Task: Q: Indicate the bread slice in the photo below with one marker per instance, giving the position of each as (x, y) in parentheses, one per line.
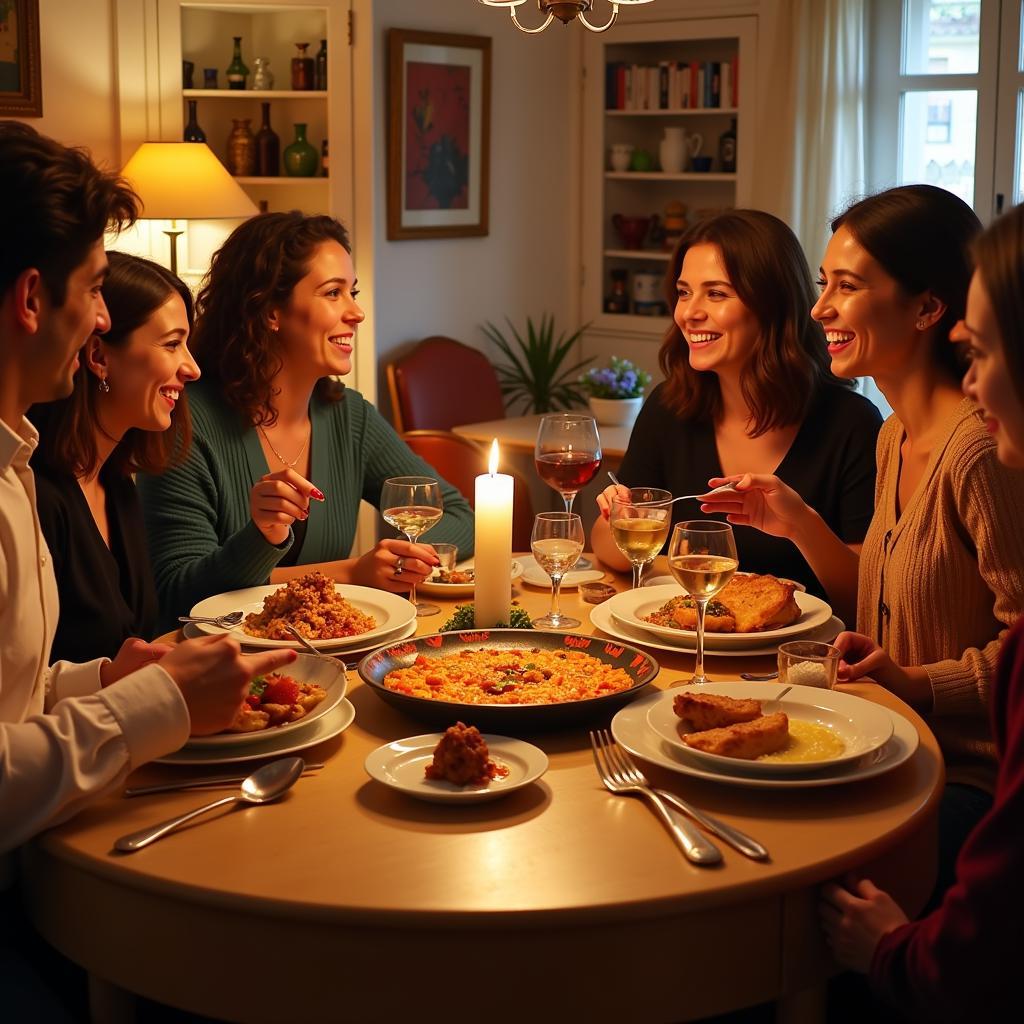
(747, 740)
(760, 602)
(700, 711)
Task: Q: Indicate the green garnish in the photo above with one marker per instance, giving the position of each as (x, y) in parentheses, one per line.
(462, 620)
(257, 686)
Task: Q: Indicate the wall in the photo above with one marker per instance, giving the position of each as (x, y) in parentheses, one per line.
(451, 286)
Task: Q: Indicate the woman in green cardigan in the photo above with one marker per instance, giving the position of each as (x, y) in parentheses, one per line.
(282, 453)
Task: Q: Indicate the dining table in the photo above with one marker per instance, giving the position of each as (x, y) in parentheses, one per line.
(347, 900)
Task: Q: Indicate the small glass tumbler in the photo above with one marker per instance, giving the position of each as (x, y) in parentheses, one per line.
(808, 663)
(447, 555)
(210, 78)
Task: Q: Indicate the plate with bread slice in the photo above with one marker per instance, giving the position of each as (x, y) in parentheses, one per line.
(749, 611)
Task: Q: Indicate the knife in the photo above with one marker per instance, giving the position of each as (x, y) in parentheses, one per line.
(210, 780)
(733, 836)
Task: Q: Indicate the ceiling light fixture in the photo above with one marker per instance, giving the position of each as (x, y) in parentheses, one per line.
(564, 10)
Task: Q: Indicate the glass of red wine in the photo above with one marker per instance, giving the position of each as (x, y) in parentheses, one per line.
(568, 453)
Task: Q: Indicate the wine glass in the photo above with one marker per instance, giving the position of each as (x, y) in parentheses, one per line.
(412, 505)
(702, 558)
(640, 530)
(568, 453)
(557, 543)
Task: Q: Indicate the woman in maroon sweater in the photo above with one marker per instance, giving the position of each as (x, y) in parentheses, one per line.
(962, 961)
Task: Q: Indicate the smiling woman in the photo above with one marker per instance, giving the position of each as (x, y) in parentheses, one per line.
(127, 413)
(283, 454)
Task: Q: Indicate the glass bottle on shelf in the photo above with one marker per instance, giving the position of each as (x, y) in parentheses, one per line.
(320, 71)
(324, 160)
(263, 77)
(727, 149)
(617, 301)
(193, 133)
(241, 155)
(237, 71)
(302, 68)
(300, 158)
(268, 148)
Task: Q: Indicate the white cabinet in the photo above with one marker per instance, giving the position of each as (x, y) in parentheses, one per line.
(666, 75)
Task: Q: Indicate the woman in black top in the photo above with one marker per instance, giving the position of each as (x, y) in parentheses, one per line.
(748, 385)
(127, 413)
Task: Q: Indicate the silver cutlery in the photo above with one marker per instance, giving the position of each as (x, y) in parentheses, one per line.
(211, 781)
(224, 621)
(733, 836)
(310, 648)
(682, 497)
(751, 678)
(263, 786)
(618, 779)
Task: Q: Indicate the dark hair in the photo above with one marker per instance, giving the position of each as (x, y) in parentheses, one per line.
(768, 269)
(56, 206)
(999, 251)
(253, 272)
(921, 236)
(133, 291)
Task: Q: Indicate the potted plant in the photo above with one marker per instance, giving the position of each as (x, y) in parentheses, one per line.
(535, 374)
(615, 391)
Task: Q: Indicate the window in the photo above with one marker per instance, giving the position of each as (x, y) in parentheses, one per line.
(956, 68)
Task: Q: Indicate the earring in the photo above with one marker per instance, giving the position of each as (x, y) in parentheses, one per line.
(104, 386)
(921, 325)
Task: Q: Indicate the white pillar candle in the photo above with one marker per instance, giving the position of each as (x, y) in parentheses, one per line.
(493, 550)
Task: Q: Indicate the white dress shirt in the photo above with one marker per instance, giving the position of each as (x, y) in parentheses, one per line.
(63, 740)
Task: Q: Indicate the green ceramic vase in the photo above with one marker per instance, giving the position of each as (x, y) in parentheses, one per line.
(300, 158)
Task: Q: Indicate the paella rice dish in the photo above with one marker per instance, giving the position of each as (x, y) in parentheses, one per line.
(276, 700)
(515, 676)
(311, 604)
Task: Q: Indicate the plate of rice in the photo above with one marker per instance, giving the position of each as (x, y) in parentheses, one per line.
(326, 613)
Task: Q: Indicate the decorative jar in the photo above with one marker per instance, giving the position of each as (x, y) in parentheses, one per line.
(300, 158)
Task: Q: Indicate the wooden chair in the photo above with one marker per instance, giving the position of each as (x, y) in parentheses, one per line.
(442, 383)
(460, 461)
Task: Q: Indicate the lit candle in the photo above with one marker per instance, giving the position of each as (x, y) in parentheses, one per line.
(493, 551)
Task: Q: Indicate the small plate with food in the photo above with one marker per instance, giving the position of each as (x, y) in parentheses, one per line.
(738, 727)
(281, 702)
(537, 577)
(326, 613)
(460, 765)
(460, 581)
(750, 610)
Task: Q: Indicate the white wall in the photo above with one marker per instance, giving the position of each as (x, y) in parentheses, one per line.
(451, 286)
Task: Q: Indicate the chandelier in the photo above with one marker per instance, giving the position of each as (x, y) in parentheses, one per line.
(564, 10)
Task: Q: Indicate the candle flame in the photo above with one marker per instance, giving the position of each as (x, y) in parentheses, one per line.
(492, 462)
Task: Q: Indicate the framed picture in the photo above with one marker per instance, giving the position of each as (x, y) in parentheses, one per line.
(21, 92)
(439, 134)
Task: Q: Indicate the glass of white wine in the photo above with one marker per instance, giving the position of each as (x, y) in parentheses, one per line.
(412, 505)
(557, 543)
(702, 558)
(640, 526)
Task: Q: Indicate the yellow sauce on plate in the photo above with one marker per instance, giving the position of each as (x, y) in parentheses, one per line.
(807, 742)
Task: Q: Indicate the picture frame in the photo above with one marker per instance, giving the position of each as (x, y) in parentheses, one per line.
(21, 92)
(439, 129)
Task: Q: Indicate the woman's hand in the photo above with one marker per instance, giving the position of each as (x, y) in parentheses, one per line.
(395, 565)
(610, 494)
(759, 500)
(862, 656)
(133, 655)
(855, 916)
(277, 500)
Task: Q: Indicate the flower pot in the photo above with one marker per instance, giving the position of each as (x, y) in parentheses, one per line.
(615, 412)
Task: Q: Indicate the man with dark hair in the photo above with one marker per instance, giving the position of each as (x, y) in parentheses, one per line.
(104, 718)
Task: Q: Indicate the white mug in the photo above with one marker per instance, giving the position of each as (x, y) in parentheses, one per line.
(621, 154)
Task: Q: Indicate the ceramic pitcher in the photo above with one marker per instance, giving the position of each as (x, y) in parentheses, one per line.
(675, 146)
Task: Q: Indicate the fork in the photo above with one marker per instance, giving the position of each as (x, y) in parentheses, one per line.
(618, 779)
(224, 621)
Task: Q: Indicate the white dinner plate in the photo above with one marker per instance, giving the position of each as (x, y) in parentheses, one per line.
(537, 577)
(601, 617)
(630, 606)
(862, 726)
(401, 765)
(324, 728)
(659, 581)
(630, 728)
(328, 673)
(350, 654)
(391, 612)
(433, 586)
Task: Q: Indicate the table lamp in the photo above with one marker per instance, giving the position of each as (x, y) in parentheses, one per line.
(184, 181)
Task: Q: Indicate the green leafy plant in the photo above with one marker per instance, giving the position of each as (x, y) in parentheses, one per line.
(621, 378)
(462, 620)
(536, 374)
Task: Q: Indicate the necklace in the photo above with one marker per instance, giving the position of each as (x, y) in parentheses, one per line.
(280, 457)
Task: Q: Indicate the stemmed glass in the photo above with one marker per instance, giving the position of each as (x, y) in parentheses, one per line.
(557, 543)
(640, 530)
(568, 453)
(412, 505)
(702, 558)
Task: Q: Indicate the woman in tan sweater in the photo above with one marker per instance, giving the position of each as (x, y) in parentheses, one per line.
(941, 572)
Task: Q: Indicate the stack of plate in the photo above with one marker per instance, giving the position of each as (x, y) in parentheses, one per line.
(434, 586)
(875, 740)
(623, 615)
(394, 615)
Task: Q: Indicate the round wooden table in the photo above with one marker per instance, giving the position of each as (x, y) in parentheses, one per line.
(347, 901)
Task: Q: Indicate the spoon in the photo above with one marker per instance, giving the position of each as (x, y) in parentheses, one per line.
(752, 678)
(224, 621)
(264, 785)
(307, 645)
